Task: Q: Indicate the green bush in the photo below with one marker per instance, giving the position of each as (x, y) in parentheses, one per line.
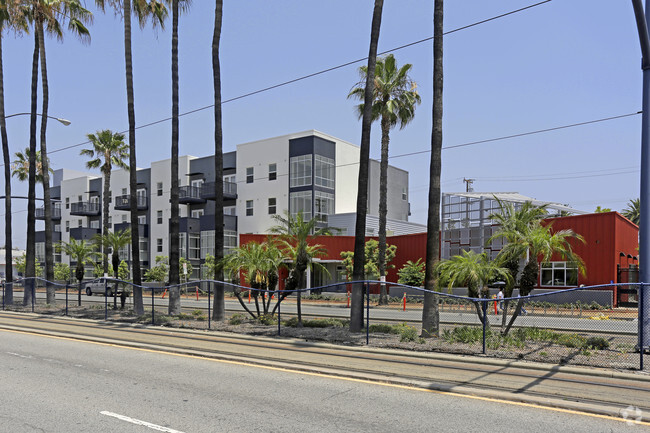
(407, 333)
(237, 319)
(325, 323)
(383, 328)
(412, 273)
(267, 319)
(596, 343)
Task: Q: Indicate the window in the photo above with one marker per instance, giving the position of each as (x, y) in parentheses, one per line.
(558, 274)
(404, 194)
(300, 170)
(67, 202)
(194, 246)
(142, 219)
(80, 223)
(250, 174)
(182, 245)
(124, 191)
(144, 249)
(110, 220)
(230, 210)
(40, 251)
(323, 205)
(324, 171)
(249, 207)
(159, 217)
(207, 243)
(272, 207)
(123, 218)
(79, 199)
(273, 171)
(197, 213)
(159, 189)
(94, 224)
(229, 241)
(159, 245)
(300, 202)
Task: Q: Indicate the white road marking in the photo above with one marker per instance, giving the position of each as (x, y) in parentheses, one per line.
(140, 422)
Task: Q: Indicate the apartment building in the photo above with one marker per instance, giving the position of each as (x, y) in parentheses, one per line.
(309, 172)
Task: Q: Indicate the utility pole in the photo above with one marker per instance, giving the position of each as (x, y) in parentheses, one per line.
(468, 184)
(642, 19)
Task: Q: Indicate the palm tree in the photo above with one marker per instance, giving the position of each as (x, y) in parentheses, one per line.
(108, 150)
(356, 309)
(46, 16)
(473, 271)
(536, 241)
(20, 166)
(9, 19)
(80, 252)
(114, 241)
(394, 101)
(142, 9)
(219, 310)
(174, 305)
(633, 211)
(295, 236)
(430, 312)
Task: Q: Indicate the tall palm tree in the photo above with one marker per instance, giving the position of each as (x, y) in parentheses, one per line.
(174, 306)
(142, 9)
(80, 252)
(219, 310)
(296, 236)
(10, 18)
(114, 241)
(473, 271)
(20, 166)
(356, 308)
(394, 102)
(48, 16)
(633, 211)
(108, 150)
(430, 312)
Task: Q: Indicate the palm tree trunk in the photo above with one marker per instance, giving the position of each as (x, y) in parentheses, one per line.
(9, 271)
(356, 308)
(430, 312)
(383, 208)
(138, 305)
(219, 310)
(174, 306)
(30, 257)
(106, 198)
(47, 204)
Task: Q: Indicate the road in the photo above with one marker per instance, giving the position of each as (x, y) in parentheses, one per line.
(411, 315)
(56, 384)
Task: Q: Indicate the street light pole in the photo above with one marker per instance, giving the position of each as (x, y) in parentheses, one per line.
(642, 19)
(65, 122)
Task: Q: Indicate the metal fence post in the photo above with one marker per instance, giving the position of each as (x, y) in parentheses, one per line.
(153, 321)
(485, 319)
(640, 318)
(3, 296)
(209, 313)
(277, 293)
(66, 298)
(105, 299)
(33, 293)
(367, 313)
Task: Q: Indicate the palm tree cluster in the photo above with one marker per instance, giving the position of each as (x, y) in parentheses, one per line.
(528, 238)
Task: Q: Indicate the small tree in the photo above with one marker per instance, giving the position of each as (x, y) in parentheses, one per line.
(20, 263)
(81, 252)
(159, 272)
(412, 273)
(62, 272)
(371, 267)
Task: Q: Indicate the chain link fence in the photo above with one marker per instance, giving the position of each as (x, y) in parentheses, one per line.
(575, 326)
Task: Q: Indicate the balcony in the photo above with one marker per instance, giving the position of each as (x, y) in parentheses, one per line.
(143, 229)
(85, 208)
(83, 233)
(229, 191)
(56, 213)
(123, 202)
(190, 195)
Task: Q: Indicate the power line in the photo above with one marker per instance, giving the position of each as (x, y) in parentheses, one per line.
(314, 74)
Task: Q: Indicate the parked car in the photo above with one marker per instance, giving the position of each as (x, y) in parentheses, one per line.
(98, 287)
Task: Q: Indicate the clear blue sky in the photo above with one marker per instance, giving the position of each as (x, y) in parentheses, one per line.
(564, 62)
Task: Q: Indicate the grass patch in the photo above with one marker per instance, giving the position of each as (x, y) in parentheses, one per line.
(237, 319)
(405, 331)
(317, 323)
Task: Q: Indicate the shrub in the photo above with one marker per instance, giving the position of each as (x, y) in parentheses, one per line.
(596, 343)
(406, 332)
(236, 319)
(325, 323)
(267, 319)
(382, 327)
(412, 273)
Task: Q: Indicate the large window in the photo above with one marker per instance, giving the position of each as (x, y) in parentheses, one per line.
(229, 241)
(40, 251)
(182, 245)
(194, 246)
(559, 274)
(144, 249)
(301, 202)
(324, 171)
(300, 171)
(323, 205)
(207, 243)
